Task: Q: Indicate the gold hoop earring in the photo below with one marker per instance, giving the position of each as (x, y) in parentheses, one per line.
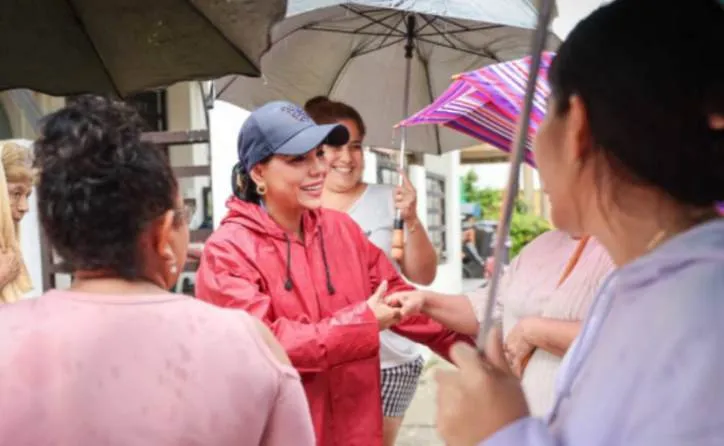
(261, 189)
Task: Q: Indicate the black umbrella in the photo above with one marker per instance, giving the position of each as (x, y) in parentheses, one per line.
(65, 47)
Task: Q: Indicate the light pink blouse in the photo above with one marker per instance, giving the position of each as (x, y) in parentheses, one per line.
(157, 370)
(529, 287)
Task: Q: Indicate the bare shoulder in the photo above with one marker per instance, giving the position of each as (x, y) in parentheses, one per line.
(268, 337)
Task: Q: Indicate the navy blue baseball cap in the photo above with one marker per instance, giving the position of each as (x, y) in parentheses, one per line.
(283, 128)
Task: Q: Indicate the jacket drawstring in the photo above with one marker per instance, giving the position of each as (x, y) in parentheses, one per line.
(330, 287)
(288, 285)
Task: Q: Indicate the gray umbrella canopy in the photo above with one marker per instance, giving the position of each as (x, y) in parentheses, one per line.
(355, 52)
(64, 47)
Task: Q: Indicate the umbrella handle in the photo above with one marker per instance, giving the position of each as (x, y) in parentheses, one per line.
(517, 152)
(398, 240)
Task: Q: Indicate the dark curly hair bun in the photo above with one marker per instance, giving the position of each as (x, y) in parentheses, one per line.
(99, 185)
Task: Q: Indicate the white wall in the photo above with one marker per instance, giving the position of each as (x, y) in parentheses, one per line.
(186, 112)
(226, 120)
(449, 274)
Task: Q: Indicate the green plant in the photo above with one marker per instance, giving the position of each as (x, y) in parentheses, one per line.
(524, 226)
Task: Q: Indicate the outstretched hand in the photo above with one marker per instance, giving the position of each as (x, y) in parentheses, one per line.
(479, 398)
(410, 303)
(385, 314)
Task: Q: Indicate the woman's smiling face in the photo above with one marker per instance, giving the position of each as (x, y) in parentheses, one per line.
(346, 163)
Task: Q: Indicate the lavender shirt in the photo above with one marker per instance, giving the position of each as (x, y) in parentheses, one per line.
(648, 366)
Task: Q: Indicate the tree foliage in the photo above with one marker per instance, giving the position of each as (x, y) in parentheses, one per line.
(524, 226)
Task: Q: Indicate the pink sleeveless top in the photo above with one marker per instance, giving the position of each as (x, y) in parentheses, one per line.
(160, 370)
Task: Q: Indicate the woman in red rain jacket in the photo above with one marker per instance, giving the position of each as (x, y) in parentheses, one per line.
(309, 273)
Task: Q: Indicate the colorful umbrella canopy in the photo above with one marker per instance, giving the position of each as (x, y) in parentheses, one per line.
(487, 103)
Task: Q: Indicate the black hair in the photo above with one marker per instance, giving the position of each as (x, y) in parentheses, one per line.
(100, 186)
(242, 186)
(651, 76)
(325, 111)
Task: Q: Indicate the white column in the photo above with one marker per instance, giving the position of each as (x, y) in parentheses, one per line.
(449, 273)
(186, 112)
(226, 120)
(417, 176)
(369, 175)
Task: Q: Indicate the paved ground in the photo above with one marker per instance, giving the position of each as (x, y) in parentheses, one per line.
(419, 426)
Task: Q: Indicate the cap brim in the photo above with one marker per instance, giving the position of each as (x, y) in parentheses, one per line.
(312, 137)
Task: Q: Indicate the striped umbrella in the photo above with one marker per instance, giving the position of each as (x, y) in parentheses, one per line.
(486, 103)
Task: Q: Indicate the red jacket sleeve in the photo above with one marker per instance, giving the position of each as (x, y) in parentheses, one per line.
(227, 278)
(420, 329)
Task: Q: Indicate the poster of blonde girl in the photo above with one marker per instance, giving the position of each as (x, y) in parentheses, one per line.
(16, 185)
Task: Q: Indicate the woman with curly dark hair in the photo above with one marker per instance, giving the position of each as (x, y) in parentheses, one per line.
(117, 359)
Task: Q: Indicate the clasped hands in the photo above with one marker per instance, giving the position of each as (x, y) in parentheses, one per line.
(391, 309)
(483, 394)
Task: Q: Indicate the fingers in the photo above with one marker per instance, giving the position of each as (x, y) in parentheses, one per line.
(446, 378)
(410, 308)
(395, 299)
(380, 292)
(466, 357)
(396, 315)
(405, 181)
(494, 349)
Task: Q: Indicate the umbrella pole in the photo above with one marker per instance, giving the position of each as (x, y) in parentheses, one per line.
(538, 45)
(398, 233)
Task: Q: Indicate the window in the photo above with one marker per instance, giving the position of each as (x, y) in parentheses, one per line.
(151, 105)
(387, 170)
(436, 214)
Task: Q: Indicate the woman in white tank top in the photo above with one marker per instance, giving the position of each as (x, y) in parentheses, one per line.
(373, 207)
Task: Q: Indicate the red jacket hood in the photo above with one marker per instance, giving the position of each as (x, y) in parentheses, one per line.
(255, 218)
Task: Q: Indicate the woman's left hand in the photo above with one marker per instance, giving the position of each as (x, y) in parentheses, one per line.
(406, 199)
(479, 398)
(517, 348)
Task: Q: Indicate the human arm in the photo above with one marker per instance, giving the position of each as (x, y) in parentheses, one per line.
(481, 404)
(453, 311)
(416, 327)
(419, 261)
(227, 278)
(552, 335)
(460, 313)
(289, 421)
